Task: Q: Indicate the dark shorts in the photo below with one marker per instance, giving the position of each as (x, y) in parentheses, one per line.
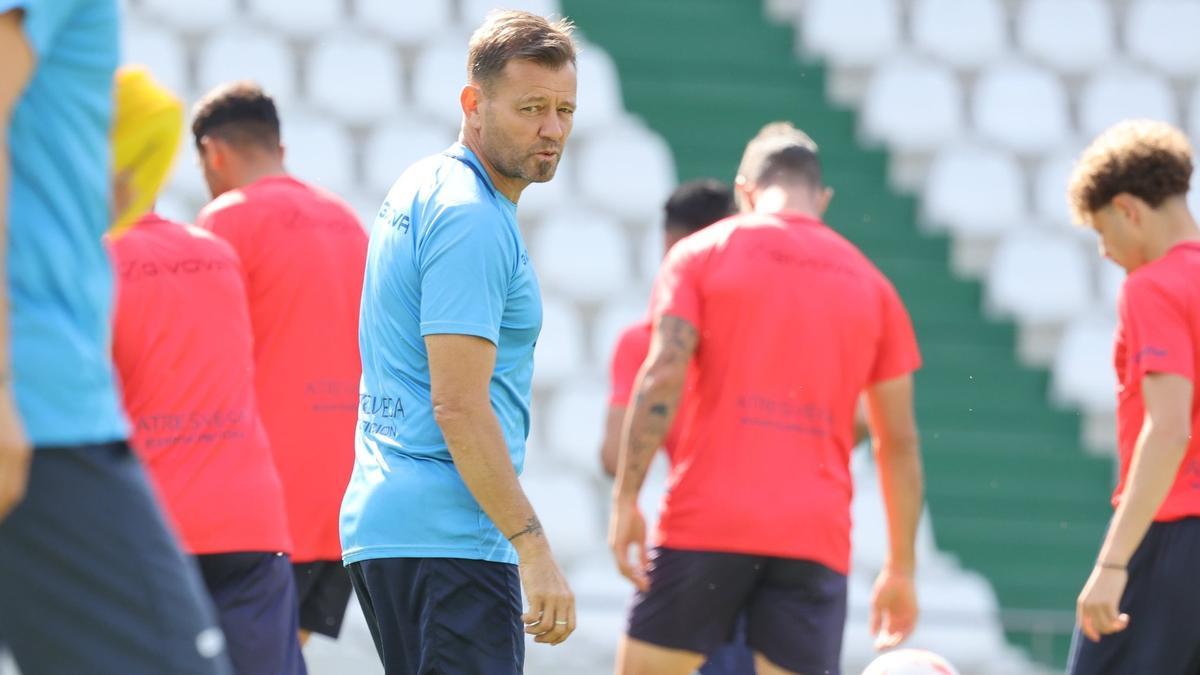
(795, 609)
(323, 592)
(442, 615)
(91, 579)
(1162, 599)
(732, 658)
(255, 598)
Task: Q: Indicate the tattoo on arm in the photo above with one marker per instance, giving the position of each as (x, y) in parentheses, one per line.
(532, 527)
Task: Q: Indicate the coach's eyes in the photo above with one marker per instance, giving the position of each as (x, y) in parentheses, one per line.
(567, 111)
(532, 109)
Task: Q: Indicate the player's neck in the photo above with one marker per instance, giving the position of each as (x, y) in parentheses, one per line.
(1178, 226)
(511, 188)
(777, 199)
(252, 172)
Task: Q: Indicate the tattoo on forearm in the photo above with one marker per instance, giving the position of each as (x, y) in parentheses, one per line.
(532, 527)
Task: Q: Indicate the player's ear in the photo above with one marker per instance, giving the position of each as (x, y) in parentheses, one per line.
(1126, 206)
(823, 198)
(743, 194)
(470, 98)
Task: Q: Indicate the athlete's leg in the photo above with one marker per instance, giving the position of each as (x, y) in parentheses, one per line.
(635, 657)
(763, 666)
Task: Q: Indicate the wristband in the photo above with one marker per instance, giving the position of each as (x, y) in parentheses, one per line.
(1111, 566)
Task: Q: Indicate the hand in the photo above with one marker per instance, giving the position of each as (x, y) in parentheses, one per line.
(15, 453)
(627, 528)
(551, 615)
(1097, 610)
(893, 608)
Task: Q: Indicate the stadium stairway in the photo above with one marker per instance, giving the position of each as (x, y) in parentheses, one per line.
(1012, 493)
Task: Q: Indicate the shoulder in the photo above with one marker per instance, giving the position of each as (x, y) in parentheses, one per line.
(222, 208)
(634, 338)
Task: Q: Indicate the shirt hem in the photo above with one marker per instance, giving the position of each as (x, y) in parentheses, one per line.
(459, 328)
(375, 552)
(840, 566)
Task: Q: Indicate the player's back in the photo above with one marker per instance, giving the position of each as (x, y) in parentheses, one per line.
(183, 349)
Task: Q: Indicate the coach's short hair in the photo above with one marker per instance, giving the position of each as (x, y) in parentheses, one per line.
(781, 153)
(696, 204)
(1149, 160)
(516, 35)
(240, 113)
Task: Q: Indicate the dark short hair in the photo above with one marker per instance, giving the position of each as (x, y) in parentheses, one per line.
(516, 35)
(696, 204)
(1149, 160)
(240, 113)
(781, 153)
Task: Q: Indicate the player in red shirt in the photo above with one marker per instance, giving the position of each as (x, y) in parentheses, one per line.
(303, 252)
(786, 323)
(1140, 609)
(183, 350)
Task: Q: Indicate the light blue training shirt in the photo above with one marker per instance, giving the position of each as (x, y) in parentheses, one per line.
(60, 282)
(446, 257)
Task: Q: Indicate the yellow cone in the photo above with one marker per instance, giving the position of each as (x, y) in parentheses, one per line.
(146, 131)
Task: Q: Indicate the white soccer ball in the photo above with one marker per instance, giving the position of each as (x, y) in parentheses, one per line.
(910, 662)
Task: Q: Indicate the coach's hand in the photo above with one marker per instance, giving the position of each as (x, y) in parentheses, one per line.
(551, 615)
(15, 453)
(1097, 611)
(627, 528)
(893, 608)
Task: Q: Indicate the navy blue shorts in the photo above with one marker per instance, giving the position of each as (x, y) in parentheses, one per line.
(323, 593)
(255, 598)
(442, 616)
(732, 658)
(795, 609)
(91, 579)
(1162, 600)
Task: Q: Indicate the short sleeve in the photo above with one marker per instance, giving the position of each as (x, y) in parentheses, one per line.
(465, 266)
(627, 359)
(1158, 337)
(677, 287)
(42, 21)
(897, 353)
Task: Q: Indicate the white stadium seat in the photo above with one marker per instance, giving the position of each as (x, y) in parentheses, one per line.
(1039, 278)
(542, 200)
(1083, 368)
(1111, 277)
(244, 54)
(1122, 93)
(355, 77)
(319, 150)
(569, 507)
(1050, 187)
(575, 422)
(473, 12)
(193, 17)
(1072, 36)
(852, 33)
(1021, 107)
(173, 206)
(617, 315)
(397, 144)
(160, 51)
(1162, 34)
(409, 24)
(439, 74)
(650, 251)
(975, 192)
(1193, 115)
(598, 94)
(628, 172)
(186, 180)
(560, 347)
(913, 105)
(964, 33)
(583, 255)
(298, 19)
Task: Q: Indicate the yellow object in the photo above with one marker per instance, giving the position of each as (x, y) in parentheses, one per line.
(146, 131)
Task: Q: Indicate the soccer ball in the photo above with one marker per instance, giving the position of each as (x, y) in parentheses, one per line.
(910, 662)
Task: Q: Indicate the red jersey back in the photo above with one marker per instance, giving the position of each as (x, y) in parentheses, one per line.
(304, 252)
(183, 350)
(794, 322)
(1158, 325)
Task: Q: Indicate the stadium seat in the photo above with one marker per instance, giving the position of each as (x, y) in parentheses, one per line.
(1050, 186)
(186, 181)
(617, 314)
(173, 206)
(245, 54)
(439, 74)
(560, 347)
(913, 105)
(569, 508)
(1121, 93)
(581, 254)
(160, 51)
(1110, 279)
(628, 172)
(541, 200)
(319, 150)
(298, 19)
(1071, 36)
(599, 92)
(473, 12)
(1021, 107)
(1162, 34)
(965, 33)
(415, 25)
(1039, 278)
(575, 422)
(974, 192)
(354, 77)
(650, 251)
(192, 17)
(852, 33)
(395, 145)
(1083, 367)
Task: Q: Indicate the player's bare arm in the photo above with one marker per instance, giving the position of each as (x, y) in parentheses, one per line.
(1160, 450)
(610, 447)
(15, 452)
(460, 368)
(898, 456)
(657, 391)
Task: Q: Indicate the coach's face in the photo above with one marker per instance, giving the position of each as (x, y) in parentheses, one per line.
(525, 118)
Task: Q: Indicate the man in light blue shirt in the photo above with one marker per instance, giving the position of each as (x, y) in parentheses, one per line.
(91, 579)
(434, 522)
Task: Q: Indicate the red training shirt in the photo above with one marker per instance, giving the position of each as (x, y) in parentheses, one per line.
(184, 353)
(794, 322)
(1159, 317)
(304, 253)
